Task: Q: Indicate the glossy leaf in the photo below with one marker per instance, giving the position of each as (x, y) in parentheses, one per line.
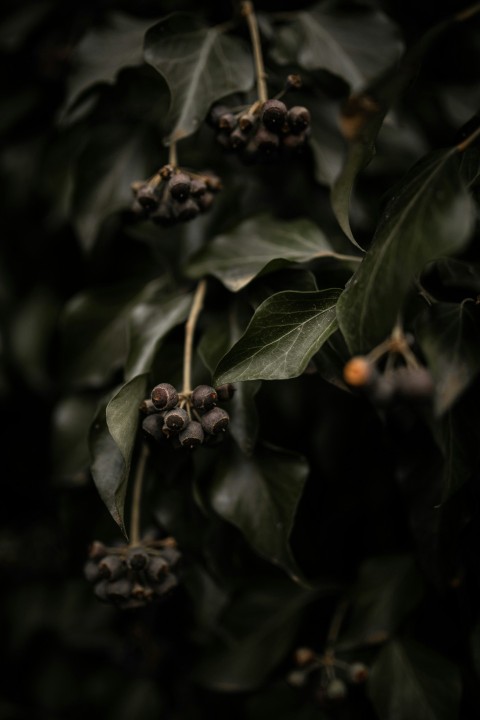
(409, 680)
(149, 322)
(430, 215)
(104, 51)
(448, 334)
(94, 330)
(259, 245)
(387, 589)
(112, 442)
(260, 495)
(200, 65)
(285, 332)
(355, 46)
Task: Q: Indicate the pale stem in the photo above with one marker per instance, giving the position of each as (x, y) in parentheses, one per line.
(249, 14)
(137, 496)
(172, 155)
(190, 325)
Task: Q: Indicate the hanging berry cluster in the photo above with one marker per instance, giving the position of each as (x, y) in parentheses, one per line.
(401, 377)
(326, 676)
(174, 195)
(263, 132)
(187, 419)
(132, 576)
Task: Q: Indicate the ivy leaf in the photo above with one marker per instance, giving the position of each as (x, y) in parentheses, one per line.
(408, 680)
(260, 495)
(94, 330)
(286, 330)
(104, 51)
(431, 214)
(200, 65)
(448, 336)
(112, 442)
(259, 245)
(387, 589)
(355, 46)
(71, 419)
(149, 322)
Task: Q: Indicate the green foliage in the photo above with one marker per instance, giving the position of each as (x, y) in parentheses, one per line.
(333, 514)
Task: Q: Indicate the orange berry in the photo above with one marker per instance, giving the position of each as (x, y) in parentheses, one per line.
(358, 371)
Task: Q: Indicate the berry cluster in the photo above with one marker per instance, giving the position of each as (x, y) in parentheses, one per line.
(174, 195)
(187, 419)
(132, 576)
(263, 132)
(383, 387)
(331, 676)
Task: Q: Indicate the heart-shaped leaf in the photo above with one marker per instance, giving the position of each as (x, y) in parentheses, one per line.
(200, 65)
(448, 334)
(286, 330)
(431, 214)
(409, 680)
(259, 245)
(260, 495)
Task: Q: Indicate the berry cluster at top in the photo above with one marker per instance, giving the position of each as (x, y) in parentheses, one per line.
(187, 419)
(132, 576)
(174, 195)
(262, 132)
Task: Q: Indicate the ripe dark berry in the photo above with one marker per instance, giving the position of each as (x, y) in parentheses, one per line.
(185, 210)
(157, 568)
(179, 186)
(92, 571)
(164, 396)
(198, 187)
(298, 118)
(273, 115)
(118, 589)
(266, 141)
(215, 114)
(225, 392)
(204, 397)
(176, 419)
(227, 122)
(137, 558)
(215, 420)
(147, 197)
(111, 567)
(294, 142)
(192, 435)
(152, 426)
(238, 139)
(415, 383)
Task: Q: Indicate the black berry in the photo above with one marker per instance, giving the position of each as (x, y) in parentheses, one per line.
(176, 419)
(152, 426)
(204, 397)
(137, 558)
(164, 396)
(111, 567)
(192, 435)
(298, 118)
(273, 115)
(179, 186)
(225, 392)
(215, 421)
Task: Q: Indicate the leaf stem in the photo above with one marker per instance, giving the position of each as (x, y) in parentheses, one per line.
(172, 154)
(190, 325)
(137, 496)
(249, 14)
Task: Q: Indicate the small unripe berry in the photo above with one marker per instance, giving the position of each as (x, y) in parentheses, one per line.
(179, 186)
(358, 672)
(111, 567)
(273, 115)
(304, 656)
(204, 397)
(267, 142)
(336, 689)
(215, 421)
(164, 396)
(359, 371)
(176, 419)
(298, 118)
(225, 392)
(192, 435)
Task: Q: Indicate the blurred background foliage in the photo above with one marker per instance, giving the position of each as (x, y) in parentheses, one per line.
(366, 521)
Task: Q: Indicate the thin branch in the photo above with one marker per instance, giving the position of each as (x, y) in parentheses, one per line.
(189, 333)
(172, 155)
(137, 496)
(249, 14)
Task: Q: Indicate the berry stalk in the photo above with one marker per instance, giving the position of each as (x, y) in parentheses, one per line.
(189, 333)
(249, 14)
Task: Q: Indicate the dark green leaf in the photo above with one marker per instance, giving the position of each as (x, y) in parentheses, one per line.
(71, 421)
(149, 322)
(454, 273)
(95, 330)
(356, 45)
(408, 680)
(286, 330)
(259, 245)
(200, 65)
(260, 495)
(448, 335)
(104, 51)
(430, 215)
(112, 441)
(387, 589)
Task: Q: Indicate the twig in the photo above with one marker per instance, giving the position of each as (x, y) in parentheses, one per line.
(249, 14)
(189, 332)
